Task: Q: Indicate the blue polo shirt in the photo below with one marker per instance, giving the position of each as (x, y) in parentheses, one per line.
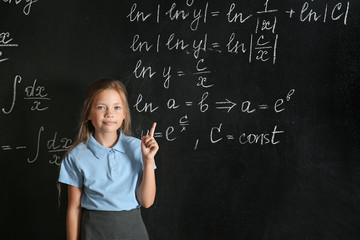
(108, 176)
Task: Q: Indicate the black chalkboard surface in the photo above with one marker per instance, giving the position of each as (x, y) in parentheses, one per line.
(257, 104)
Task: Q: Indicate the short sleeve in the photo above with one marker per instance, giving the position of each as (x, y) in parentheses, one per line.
(70, 174)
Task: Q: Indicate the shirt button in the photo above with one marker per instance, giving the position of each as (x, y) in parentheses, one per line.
(113, 163)
(113, 156)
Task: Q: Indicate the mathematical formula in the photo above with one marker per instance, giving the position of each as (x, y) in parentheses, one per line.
(6, 42)
(260, 45)
(224, 105)
(308, 12)
(34, 93)
(56, 146)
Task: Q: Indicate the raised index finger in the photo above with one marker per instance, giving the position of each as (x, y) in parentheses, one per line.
(152, 130)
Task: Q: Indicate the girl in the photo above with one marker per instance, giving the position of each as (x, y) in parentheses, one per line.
(109, 173)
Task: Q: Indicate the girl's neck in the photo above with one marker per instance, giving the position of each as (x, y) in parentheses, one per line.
(107, 140)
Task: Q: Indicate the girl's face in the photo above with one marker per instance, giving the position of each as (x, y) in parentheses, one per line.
(107, 112)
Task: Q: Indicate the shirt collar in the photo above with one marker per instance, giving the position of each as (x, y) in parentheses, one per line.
(99, 150)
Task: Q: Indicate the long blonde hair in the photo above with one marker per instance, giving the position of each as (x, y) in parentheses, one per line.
(85, 126)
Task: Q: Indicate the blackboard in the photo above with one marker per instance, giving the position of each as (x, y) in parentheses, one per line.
(257, 104)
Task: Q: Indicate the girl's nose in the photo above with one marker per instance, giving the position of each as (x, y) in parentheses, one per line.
(108, 114)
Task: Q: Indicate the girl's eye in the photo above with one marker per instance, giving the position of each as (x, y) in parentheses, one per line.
(100, 107)
(117, 108)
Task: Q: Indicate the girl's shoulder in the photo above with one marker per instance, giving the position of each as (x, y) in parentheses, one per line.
(76, 150)
(131, 145)
(130, 140)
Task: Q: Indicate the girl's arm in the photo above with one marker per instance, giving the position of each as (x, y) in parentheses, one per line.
(73, 213)
(146, 190)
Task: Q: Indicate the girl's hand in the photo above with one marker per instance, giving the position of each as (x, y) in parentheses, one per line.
(149, 146)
